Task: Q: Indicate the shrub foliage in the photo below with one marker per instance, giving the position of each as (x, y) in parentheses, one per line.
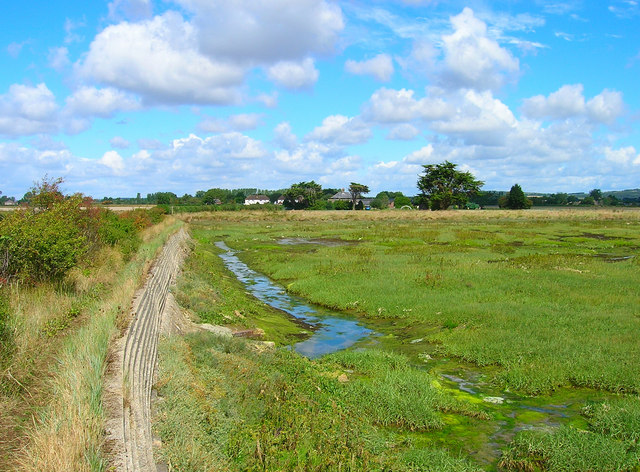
(54, 233)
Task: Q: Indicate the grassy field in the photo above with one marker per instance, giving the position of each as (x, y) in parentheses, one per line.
(543, 303)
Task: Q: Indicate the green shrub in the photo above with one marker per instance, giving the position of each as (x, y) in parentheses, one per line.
(115, 230)
(44, 244)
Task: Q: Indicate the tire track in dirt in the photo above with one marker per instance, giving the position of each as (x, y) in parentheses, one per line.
(131, 371)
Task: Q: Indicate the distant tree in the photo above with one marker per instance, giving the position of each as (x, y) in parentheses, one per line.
(588, 200)
(210, 196)
(302, 195)
(571, 199)
(596, 194)
(442, 186)
(611, 200)
(381, 201)
(356, 190)
(516, 199)
(401, 200)
(138, 198)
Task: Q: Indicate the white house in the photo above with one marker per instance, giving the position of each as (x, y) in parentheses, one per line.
(256, 200)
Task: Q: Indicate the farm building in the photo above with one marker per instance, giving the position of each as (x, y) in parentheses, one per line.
(256, 200)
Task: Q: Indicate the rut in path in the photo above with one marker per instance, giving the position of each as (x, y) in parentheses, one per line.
(132, 441)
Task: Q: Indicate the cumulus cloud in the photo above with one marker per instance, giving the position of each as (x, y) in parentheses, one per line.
(294, 75)
(605, 107)
(472, 59)
(622, 156)
(421, 156)
(113, 161)
(380, 67)
(397, 106)
(569, 102)
(341, 130)
(307, 159)
(403, 132)
(26, 110)
(284, 136)
(159, 60)
(91, 101)
(480, 119)
(264, 32)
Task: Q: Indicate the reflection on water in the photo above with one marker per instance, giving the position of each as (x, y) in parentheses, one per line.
(332, 332)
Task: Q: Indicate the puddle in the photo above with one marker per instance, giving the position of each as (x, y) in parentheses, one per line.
(613, 257)
(331, 333)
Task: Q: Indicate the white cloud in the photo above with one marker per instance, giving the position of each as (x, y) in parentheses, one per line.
(480, 119)
(71, 36)
(569, 102)
(294, 75)
(118, 142)
(341, 130)
(159, 60)
(263, 32)
(90, 101)
(58, 58)
(380, 67)
(26, 110)
(284, 136)
(14, 49)
(605, 107)
(622, 156)
(397, 106)
(421, 156)
(240, 122)
(403, 132)
(472, 59)
(306, 159)
(113, 161)
(134, 10)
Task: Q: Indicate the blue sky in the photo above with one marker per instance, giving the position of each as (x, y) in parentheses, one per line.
(142, 96)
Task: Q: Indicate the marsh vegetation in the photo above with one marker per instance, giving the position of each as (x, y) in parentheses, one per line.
(508, 340)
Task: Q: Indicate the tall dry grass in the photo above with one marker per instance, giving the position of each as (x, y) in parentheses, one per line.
(55, 417)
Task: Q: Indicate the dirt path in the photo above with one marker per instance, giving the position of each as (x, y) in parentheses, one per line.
(131, 369)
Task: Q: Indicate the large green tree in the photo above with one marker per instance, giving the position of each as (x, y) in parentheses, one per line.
(302, 195)
(516, 199)
(442, 185)
(356, 190)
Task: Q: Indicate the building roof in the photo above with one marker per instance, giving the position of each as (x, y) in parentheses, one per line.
(342, 195)
(257, 197)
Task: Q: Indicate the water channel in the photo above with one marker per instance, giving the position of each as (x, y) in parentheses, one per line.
(332, 331)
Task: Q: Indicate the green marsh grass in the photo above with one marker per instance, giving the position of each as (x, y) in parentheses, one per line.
(542, 299)
(551, 310)
(226, 406)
